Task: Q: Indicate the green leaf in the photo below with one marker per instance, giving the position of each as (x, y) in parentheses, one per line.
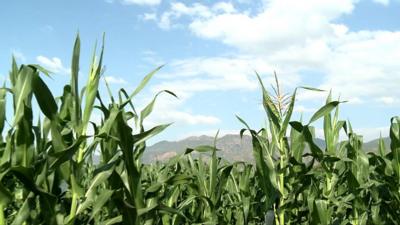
(297, 126)
(5, 195)
(23, 212)
(321, 214)
(323, 111)
(149, 108)
(288, 115)
(44, 97)
(312, 89)
(3, 99)
(41, 69)
(269, 106)
(144, 136)
(381, 147)
(26, 176)
(92, 87)
(76, 115)
(114, 220)
(201, 149)
(67, 154)
(101, 199)
(142, 84)
(23, 89)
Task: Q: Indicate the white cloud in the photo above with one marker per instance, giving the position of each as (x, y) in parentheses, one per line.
(358, 65)
(191, 76)
(382, 2)
(179, 9)
(47, 28)
(224, 7)
(198, 10)
(189, 118)
(167, 110)
(194, 75)
(387, 100)
(114, 80)
(53, 64)
(354, 101)
(142, 2)
(289, 36)
(303, 109)
(152, 58)
(277, 26)
(363, 65)
(149, 17)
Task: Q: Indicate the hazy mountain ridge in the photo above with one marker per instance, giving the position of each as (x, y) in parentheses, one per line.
(233, 148)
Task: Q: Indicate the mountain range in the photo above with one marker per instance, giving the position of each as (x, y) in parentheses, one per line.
(233, 148)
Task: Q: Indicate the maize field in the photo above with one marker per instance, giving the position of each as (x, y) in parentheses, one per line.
(48, 175)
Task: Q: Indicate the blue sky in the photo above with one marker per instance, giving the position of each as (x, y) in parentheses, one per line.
(212, 48)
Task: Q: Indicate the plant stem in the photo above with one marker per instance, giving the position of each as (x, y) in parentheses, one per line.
(281, 184)
(80, 153)
(74, 203)
(276, 215)
(355, 221)
(328, 185)
(2, 219)
(81, 150)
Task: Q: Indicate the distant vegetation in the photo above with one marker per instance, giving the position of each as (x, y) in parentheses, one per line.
(48, 175)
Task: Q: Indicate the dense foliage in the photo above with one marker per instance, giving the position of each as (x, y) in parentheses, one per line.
(48, 176)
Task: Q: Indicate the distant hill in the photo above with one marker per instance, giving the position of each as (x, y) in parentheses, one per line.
(233, 148)
(373, 145)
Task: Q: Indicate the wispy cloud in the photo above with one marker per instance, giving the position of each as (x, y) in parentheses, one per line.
(387, 100)
(152, 58)
(53, 64)
(115, 80)
(177, 10)
(169, 110)
(288, 36)
(304, 109)
(188, 118)
(149, 17)
(47, 28)
(193, 75)
(382, 2)
(142, 2)
(358, 65)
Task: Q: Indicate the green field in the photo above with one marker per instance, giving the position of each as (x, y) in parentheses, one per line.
(48, 176)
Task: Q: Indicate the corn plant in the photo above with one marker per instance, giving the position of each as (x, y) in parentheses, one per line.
(335, 185)
(49, 167)
(57, 166)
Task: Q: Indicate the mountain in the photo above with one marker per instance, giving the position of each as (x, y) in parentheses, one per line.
(233, 148)
(373, 145)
